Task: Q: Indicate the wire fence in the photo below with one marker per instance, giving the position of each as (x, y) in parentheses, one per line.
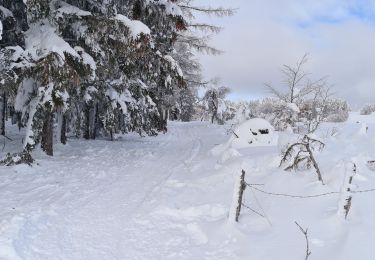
(304, 196)
(256, 187)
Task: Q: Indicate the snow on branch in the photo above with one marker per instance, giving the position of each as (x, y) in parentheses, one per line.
(218, 11)
(206, 27)
(41, 39)
(136, 27)
(300, 155)
(63, 8)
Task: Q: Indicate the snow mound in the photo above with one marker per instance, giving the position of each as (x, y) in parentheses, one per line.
(206, 212)
(253, 132)
(363, 130)
(229, 155)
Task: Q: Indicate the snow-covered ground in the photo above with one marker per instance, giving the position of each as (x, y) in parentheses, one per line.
(168, 197)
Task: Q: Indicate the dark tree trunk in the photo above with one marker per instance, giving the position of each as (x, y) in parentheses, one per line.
(95, 121)
(78, 126)
(3, 113)
(315, 164)
(19, 121)
(86, 133)
(47, 134)
(63, 130)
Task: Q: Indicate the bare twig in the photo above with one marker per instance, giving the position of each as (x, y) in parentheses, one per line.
(304, 231)
(10, 139)
(219, 11)
(235, 134)
(230, 130)
(305, 146)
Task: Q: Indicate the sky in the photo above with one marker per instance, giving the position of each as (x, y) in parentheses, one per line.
(339, 36)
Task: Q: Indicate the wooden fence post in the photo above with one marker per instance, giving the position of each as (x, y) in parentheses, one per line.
(346, 197)
(348, 190)
(238, 192)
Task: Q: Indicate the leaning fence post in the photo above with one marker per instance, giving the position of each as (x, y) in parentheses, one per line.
(349, 199)
(347, 195)
(238, 192)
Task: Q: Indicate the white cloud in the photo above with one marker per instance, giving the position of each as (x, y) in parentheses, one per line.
(263, 35)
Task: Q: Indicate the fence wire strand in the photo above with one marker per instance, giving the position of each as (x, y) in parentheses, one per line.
(306, 196)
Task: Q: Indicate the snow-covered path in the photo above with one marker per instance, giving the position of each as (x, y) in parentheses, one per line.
(86, 202)
(168, 197)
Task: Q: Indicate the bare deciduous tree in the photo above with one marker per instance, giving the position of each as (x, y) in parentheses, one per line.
(312, 111)
(307, 94)
(297, 81)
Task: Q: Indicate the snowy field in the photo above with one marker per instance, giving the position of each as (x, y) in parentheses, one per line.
(168, 197)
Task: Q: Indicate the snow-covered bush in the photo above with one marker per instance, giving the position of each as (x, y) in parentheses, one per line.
(280, 114)
(367, 109)
(302, 118)
(299, 155)
(336, 110)
(17, 158)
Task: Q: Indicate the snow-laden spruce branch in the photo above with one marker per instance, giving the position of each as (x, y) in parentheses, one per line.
(206, 27)
(218, 11)
(198, 43)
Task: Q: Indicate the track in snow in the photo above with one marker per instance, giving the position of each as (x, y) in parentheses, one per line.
(84, 202)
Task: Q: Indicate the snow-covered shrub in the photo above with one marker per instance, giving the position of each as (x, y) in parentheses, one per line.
(299, 155)
(367, 109)
(280, 114)
(338, 117)
(336, 110)
(17, 158)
